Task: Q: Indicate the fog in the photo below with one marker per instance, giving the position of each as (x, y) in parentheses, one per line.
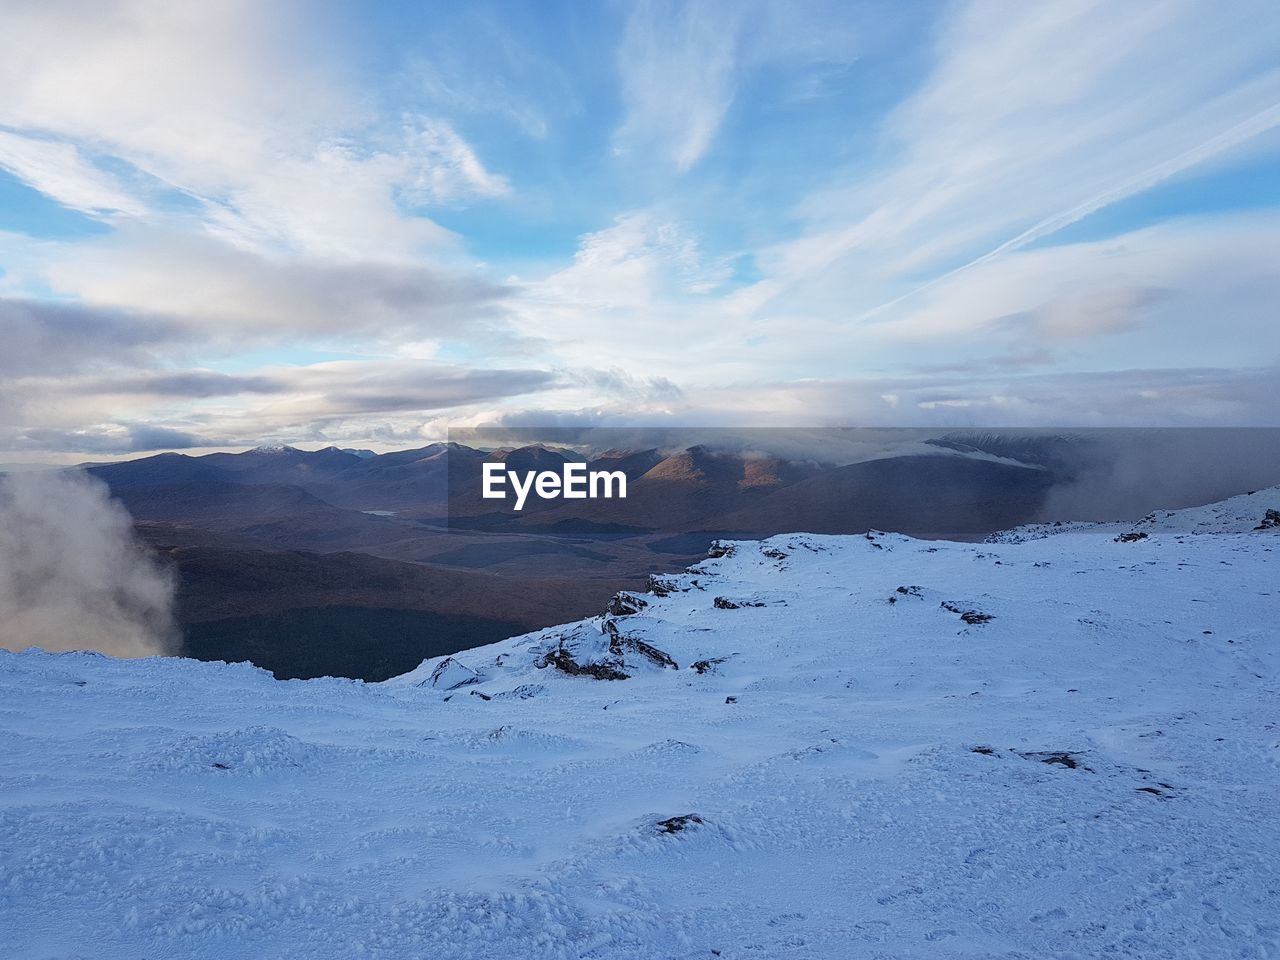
(1124, 474)
(72, 574)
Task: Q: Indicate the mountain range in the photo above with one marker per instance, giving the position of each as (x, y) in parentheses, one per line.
(402, 551)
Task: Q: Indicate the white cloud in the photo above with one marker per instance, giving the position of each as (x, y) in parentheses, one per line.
(334, 202)
(244, 107)
(640, 294)
(443, 167)
(1181, 396)
(213, 291)
(121, 409)
(1034, 116)
(681, 64)
(917, 285)
(677, 64)
(1192, 291)
(61, 171)
(641, 256)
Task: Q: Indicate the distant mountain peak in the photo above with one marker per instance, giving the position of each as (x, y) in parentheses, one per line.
(274, 447)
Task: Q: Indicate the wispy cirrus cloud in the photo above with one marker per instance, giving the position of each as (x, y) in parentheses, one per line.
(940, 253)
(445, 167)
(60, 171)
(681, 65)
(677, 65)
(1151, 396)
(242, 108)
(1031, 119)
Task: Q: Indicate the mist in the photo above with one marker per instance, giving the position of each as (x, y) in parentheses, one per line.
(72, 574)
(1128, 473)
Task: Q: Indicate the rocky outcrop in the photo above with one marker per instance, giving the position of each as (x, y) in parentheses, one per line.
(662, 586)
(449, 674)
(709, 665)
(620, 644)
(967, 614)
(1131, 537)
(625, 604)
(677, 824)
(563, 660)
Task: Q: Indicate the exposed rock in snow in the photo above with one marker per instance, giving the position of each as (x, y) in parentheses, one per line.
(966, 612)
(676, 824)
(1131, 537)
(1090, 772)
(563, 659)
(724, 603)
(449, 674)
(625, 604)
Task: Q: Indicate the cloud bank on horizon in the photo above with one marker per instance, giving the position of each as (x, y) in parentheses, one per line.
(221, 223)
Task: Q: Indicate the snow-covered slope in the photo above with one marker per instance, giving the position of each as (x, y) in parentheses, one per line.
(1258, 510)
(824, 747)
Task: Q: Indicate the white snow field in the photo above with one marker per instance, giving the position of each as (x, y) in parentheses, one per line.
(859, 765)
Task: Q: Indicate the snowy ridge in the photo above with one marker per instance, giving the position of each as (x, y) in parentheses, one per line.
(823, 747)
(1258, 510)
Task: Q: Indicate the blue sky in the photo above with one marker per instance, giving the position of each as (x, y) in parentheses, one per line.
(361, 223)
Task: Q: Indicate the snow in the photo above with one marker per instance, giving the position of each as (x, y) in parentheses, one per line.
(851, 770)
(1242, 514)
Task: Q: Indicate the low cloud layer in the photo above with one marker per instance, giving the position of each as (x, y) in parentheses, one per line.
(61, 338)
(1125, 474)
(72, 574)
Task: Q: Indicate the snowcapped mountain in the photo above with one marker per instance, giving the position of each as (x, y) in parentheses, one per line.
(808, 746)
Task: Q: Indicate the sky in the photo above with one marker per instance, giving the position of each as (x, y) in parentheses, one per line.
(358, 224)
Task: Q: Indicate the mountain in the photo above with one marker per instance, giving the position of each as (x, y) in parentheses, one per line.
(1060, 744)
(958, 492)
(697, 488)
(633, 463)
(164, 469)
(1068, 455)
(932, 496)
(405, 480)
(685, 490)
(268, 513)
